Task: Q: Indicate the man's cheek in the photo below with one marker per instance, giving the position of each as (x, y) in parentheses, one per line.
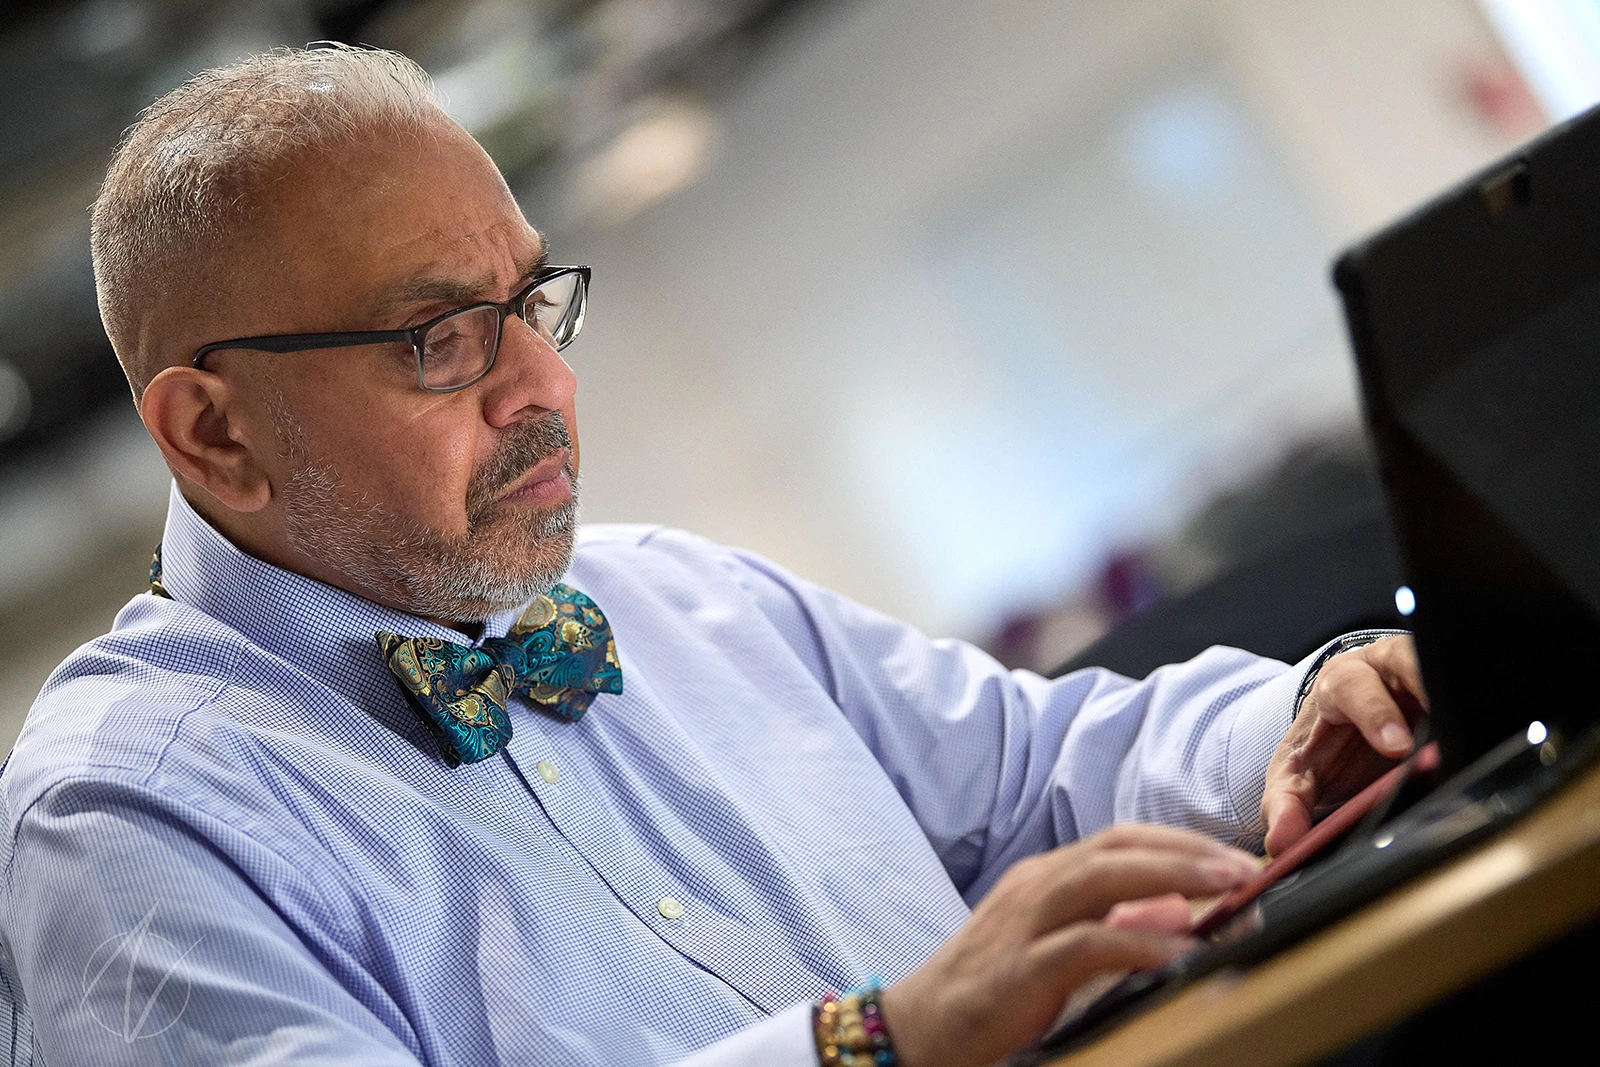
(440, 477)
(417, 458)
(569, 416)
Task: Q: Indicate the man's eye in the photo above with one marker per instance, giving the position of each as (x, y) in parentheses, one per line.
(448, 344)
(547, 306)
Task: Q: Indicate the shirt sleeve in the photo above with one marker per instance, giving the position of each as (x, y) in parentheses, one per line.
(998, 764)
(783, 1040)
(139, 940)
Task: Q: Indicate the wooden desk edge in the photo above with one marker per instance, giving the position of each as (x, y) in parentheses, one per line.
(1423, 941)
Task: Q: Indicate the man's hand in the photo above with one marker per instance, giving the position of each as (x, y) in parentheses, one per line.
(1038, 935)
(1352, 726)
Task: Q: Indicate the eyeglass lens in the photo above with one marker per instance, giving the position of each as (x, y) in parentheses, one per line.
(555, 309)
(458, 349)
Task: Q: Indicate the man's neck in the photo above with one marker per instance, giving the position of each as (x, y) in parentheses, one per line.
(473, 631)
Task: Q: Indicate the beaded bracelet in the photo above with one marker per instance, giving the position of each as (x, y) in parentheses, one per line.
(850, 1031)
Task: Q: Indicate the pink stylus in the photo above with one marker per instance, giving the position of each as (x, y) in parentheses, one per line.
(1335, 825)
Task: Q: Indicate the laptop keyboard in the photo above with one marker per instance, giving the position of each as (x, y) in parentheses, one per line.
(1473, 805)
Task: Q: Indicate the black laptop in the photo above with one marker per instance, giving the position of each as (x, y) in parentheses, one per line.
(1476, 327)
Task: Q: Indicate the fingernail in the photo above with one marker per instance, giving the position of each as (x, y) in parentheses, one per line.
(1395, 737)
(1224, 873)
(1237, 859)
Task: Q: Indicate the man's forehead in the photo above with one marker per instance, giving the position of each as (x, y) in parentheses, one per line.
(462, 271)
(389, 228)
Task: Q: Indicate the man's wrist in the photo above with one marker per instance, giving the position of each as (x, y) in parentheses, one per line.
(1348, 643)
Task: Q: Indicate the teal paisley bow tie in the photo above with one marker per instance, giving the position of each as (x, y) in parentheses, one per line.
(559, 654)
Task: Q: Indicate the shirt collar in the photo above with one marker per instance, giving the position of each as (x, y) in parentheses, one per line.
(320, 629)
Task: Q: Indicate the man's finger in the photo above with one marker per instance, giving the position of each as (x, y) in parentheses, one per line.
(1166, 914)
(1395, 660)
(1353, 691)
(1099, 880)
(1152, 837)
(1288, 815)
(1072, 956)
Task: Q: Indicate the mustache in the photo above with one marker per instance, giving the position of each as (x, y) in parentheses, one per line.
(529, 445)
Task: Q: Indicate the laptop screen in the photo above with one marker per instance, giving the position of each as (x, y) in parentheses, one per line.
(1518, 423)
(1476, 323)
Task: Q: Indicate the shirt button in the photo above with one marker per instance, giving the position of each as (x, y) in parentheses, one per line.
(670, 909)
(548, 771)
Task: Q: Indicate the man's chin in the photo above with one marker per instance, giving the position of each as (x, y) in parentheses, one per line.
(508, 556)
(493, 578)
(504, 566)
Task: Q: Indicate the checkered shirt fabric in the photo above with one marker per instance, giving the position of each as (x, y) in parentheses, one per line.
(226, 838)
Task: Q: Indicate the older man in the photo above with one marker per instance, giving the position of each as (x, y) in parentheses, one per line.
(385, 772)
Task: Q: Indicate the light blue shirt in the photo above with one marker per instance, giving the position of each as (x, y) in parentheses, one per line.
(226, 838)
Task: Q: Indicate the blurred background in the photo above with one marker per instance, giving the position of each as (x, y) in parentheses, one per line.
(1009, 318)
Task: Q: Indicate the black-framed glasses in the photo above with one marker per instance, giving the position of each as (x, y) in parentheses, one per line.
(457, 348)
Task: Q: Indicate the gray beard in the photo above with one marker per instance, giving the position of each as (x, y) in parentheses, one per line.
(503, 560)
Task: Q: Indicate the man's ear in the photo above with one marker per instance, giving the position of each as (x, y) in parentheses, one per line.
(197, 420)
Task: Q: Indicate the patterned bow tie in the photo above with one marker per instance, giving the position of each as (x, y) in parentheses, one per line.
(559, 655)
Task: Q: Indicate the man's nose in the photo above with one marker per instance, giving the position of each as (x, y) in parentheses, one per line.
(528, 374)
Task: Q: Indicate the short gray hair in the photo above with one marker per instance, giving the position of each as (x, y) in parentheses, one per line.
(179, 185)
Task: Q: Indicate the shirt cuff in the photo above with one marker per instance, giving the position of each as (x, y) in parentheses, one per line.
(1335, 647)
(1268, 713)
(784, 1040)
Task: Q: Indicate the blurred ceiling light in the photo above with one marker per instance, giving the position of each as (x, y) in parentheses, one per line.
(1556, 45)
(101, 27)
(661, 153)
(16, 401)
(1183, 146)
(632, 31)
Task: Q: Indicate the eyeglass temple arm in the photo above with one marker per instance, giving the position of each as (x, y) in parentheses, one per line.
(302, 342)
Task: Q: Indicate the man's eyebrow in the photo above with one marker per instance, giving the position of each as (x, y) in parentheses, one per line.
(538, 262)
(423, 291)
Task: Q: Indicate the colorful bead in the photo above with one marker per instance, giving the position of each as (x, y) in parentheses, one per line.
(850, 1031)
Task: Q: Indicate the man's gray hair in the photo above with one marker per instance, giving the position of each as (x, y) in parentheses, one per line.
(178, 190)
